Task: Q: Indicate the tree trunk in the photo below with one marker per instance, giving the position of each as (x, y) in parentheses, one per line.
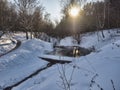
(31, 34)
(27, 35)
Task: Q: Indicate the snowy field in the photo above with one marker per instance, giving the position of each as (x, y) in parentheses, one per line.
(97, 71)
(6, 45)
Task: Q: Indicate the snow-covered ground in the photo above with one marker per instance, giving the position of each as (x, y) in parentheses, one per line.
(68, 41)
(95, 39)
(97, 71)
(22, 62)
(6, 45)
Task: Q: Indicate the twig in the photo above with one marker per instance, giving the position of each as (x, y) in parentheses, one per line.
(65, 81)
(113, 84)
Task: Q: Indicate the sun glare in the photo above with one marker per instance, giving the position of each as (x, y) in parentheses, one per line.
(74, 11)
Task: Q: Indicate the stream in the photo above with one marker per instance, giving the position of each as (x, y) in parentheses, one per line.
(30, 76)
(64, 51)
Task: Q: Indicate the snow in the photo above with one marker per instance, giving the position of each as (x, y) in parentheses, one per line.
(6, 45)
(91, 72)
(22, 62)
(57, 57)
(68, 41)
(104, 63)
(95, 39)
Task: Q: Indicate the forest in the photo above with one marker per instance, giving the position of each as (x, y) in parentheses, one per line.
(29, 16)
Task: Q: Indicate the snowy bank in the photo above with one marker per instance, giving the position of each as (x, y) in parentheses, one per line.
(22, 62)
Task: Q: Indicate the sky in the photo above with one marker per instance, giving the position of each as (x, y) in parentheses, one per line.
(53, 8)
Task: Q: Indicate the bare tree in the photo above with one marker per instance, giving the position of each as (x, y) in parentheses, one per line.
(7, 16)
(38, 21)
(26, 9)
(3, 10)
(101, 18)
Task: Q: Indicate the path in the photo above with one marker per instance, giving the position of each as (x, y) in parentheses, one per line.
(17, 46)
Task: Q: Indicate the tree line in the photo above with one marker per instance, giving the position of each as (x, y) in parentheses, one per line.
(93, 16)
(28, 16)
(24, 15)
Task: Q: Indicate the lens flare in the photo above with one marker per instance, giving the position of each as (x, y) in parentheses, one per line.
(74, 11)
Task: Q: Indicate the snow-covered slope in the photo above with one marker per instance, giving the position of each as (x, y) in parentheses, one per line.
(93, 39)
(68, 41)
(96, 71)
(91, 72)
(97, 40)
(22, 62)
(6, 45)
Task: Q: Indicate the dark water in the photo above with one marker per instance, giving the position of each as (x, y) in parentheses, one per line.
(71, 51)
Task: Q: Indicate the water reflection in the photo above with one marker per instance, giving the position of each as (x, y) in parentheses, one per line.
(71, 51)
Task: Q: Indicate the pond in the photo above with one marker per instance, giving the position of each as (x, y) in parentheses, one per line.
(71, 51)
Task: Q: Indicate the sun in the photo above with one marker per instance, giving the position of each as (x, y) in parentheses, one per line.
(74, 11)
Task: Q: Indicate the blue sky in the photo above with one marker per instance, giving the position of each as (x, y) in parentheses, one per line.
(52, 7)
